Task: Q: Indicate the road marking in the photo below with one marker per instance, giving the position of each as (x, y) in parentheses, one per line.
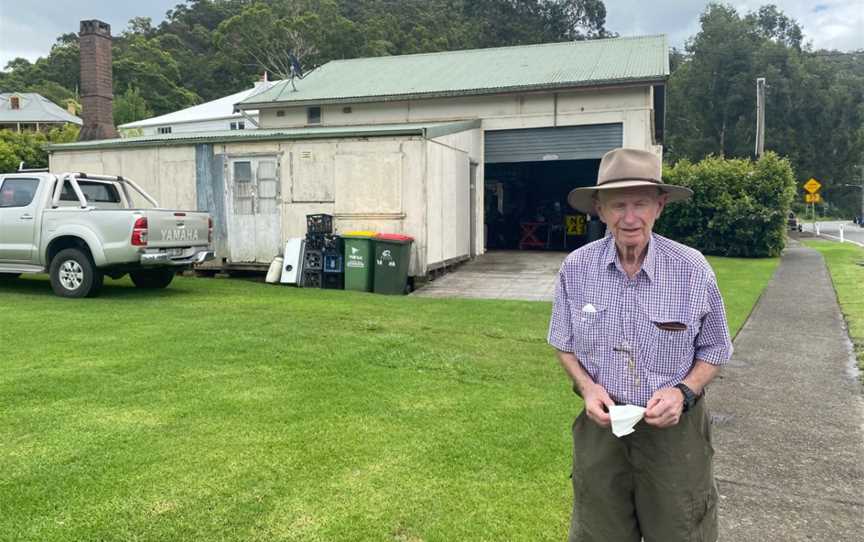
(845, 241)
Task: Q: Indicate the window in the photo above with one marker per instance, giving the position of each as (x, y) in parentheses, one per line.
(15, 102)
(242, 172)
(239, 125)
(313, 115)
(93, 191)
(18, 192)
(164, 129)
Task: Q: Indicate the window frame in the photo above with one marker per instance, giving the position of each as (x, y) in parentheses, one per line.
(32, 197)
(309, 116)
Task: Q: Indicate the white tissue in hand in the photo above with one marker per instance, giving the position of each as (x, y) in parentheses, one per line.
(624, 417)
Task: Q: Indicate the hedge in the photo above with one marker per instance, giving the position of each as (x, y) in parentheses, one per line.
(739, 207)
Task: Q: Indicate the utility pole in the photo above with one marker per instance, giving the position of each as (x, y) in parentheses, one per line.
(760, 117)
(860, 186)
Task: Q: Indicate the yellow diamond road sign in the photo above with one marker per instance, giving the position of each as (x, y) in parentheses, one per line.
(812, 185)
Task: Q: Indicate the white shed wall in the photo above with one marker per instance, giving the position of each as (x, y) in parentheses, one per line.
(166, 173)
(631, 106)
(367, 184)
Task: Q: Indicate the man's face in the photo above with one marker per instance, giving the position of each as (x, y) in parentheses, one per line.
(629, 213)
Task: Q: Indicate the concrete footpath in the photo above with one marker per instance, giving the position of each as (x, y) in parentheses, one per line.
(789, 416)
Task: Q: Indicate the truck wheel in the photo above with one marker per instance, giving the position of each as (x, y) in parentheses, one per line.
(73, 274)
(152, 278)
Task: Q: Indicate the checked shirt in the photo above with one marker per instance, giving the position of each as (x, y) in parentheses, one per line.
(635, 336)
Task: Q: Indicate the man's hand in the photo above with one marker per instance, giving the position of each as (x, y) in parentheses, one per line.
(596, 399)
(664, 408)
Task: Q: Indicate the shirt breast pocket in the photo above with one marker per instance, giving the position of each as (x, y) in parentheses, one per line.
(590, 331)
(672, 340)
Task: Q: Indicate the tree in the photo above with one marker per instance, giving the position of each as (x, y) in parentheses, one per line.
(130, 107)
(813, 106)
(140, 62)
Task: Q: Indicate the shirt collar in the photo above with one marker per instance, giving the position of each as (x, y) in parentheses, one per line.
(610, 257)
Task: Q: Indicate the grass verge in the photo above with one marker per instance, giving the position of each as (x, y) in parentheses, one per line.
(232, 410)
(846, 264)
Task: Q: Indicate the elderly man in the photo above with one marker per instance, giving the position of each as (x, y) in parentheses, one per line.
(638, 320)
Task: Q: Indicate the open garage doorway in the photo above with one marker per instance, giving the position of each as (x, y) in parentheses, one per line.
(526, 205)
(528, 174)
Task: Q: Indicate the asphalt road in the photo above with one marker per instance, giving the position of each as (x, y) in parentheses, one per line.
(831, 230)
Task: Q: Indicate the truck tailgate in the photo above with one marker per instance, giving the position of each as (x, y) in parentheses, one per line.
(177, 228)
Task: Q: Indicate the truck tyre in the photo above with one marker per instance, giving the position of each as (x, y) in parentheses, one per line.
(73, 274)
(152, 278)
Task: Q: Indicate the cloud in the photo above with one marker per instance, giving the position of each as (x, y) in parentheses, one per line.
(29, 29)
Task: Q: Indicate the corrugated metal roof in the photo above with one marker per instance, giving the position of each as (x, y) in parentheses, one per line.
(428, 130)
(477, 71)
(221, 108)
(33, 107)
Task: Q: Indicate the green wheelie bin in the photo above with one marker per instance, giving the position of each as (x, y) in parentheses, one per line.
(359, 267)
(392, 256)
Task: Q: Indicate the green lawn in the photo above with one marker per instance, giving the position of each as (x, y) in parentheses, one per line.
(233, 410)
(846, 265)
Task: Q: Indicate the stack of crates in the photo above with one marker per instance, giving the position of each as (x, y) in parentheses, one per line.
(320, 245)
(334, 267)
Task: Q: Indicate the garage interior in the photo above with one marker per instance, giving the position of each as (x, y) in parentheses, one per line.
(528, 175)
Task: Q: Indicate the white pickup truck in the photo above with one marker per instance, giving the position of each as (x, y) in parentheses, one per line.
(79, 228)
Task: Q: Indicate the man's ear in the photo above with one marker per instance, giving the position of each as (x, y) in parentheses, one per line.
(598, 210)
(662, 199)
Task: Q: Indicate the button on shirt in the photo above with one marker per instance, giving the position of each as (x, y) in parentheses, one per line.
(635, 336)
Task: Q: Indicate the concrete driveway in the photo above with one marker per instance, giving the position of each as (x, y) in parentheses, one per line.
(505, 274)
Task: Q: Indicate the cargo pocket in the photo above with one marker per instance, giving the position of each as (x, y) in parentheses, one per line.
(705, 516)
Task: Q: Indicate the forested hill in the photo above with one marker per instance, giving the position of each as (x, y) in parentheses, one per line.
(206, 49)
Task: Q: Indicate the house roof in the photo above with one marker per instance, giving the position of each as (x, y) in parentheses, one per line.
(477, 71)
(426, 130)
(221, 108)
(33, 107)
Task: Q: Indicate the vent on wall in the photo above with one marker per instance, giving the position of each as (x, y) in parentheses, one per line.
(346, 109)
(280, 113)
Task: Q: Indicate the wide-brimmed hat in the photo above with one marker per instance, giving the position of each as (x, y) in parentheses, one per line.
(626, 168)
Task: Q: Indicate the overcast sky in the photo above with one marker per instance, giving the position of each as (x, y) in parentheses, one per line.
(29, 28)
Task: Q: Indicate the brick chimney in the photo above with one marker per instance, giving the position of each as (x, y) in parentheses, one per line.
(96, 88)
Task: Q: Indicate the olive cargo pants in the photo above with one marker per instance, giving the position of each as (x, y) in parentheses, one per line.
(653, 483)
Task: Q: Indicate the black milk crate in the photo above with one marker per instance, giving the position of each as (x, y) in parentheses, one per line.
(313, 279)
(334, 281)
(315, 241)
(319, 223)
(333, 263)
(333, 243)
(313, 260)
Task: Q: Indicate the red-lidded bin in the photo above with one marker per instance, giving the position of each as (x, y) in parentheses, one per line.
(392, 258)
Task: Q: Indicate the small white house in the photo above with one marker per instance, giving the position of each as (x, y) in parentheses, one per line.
(214, 115)
(461, 150)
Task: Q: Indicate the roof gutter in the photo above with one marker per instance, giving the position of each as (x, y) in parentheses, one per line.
(130, 143)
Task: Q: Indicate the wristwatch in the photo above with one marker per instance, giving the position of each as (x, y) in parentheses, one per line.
(689, 396)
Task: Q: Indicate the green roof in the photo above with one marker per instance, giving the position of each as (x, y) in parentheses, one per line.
(476, 71)
(427, 130)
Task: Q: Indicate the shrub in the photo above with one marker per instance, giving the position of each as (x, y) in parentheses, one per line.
(29, 147)
(739, 207)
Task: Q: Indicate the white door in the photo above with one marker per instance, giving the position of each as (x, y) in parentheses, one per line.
(255, 224)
